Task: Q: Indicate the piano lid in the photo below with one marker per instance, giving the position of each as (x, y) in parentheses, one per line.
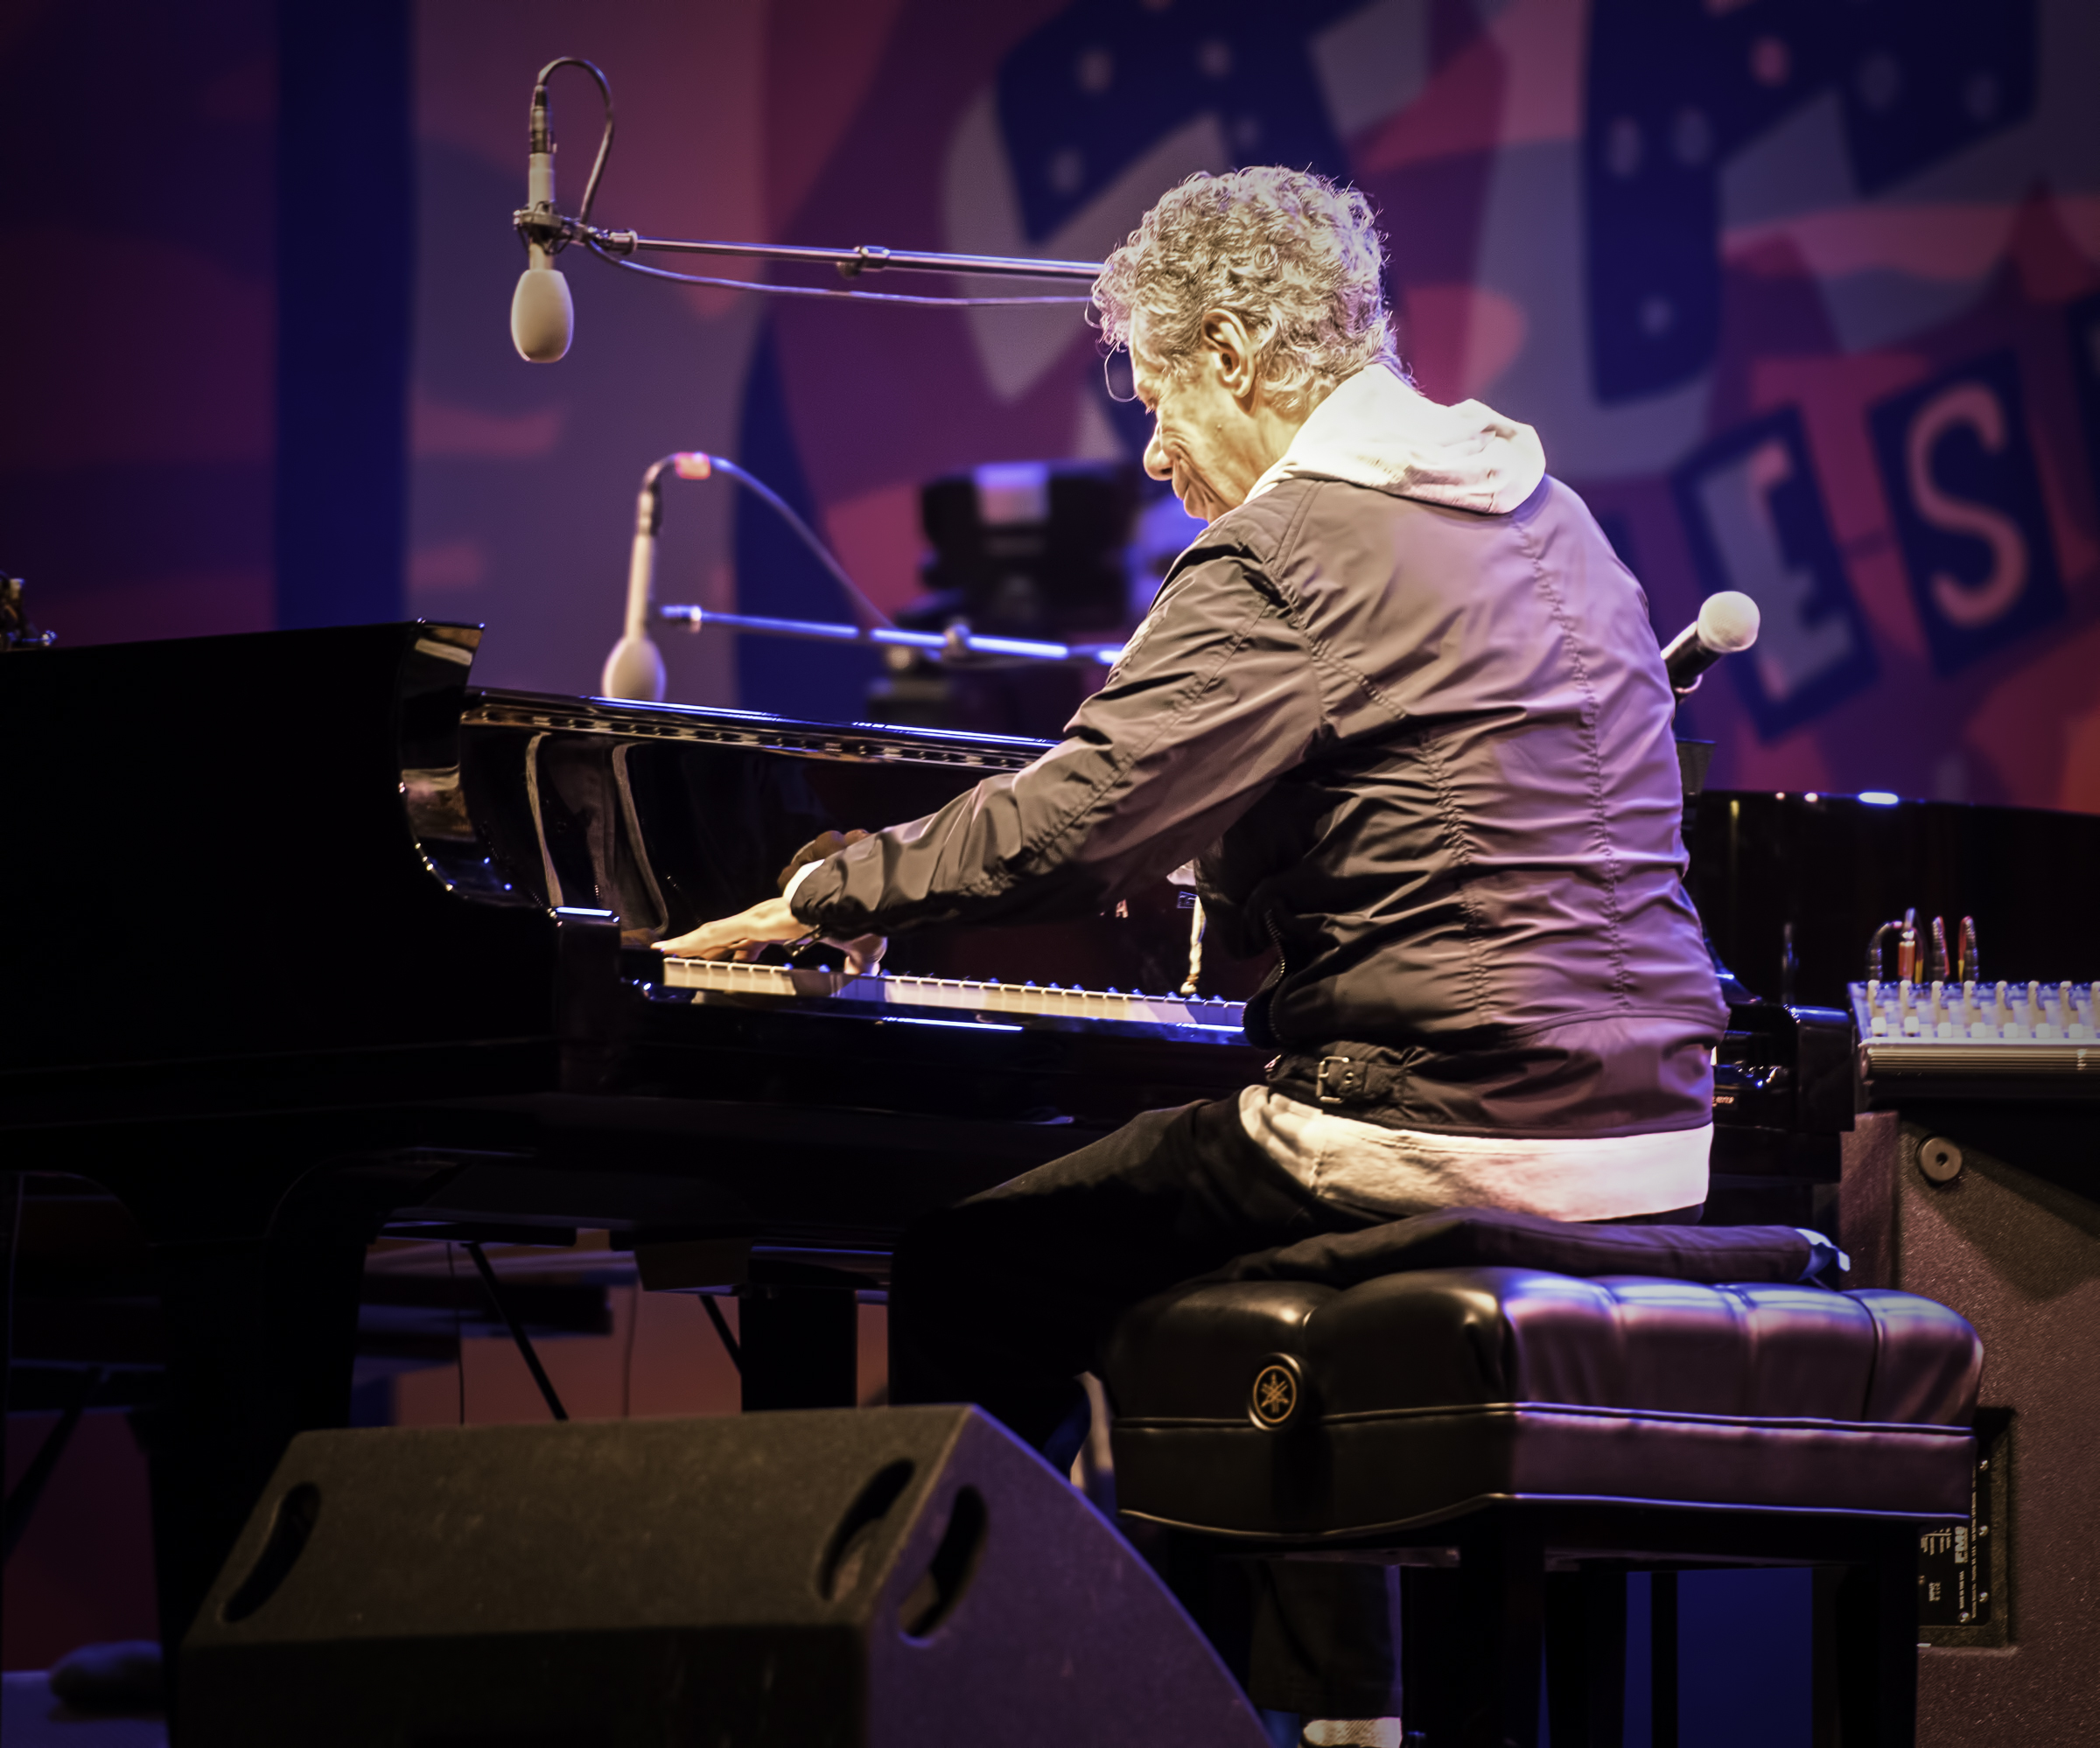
(253, 844)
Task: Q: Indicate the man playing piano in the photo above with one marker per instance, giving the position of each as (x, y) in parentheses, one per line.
(1405, 708)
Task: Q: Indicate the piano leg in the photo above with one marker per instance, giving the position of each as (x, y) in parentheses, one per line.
(259, 1254)
(800, 1347)
(261, 1340)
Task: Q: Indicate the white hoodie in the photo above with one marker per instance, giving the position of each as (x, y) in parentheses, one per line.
(1375, 430)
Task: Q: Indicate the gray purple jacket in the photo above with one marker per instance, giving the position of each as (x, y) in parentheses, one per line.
(1423, 750)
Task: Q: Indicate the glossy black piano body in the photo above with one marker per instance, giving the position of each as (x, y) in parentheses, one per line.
(302, 867)
(305, 938)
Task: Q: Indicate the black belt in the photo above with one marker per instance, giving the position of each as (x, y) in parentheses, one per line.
(1342, 1074)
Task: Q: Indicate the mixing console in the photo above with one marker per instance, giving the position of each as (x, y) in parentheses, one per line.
(1974, 1041)
(2005, 1013)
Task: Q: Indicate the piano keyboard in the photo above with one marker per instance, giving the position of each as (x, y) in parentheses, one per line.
(1020, 1004)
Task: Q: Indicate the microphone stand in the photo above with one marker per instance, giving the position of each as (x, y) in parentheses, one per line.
(546, 230)
(634, 669)
(540, 321)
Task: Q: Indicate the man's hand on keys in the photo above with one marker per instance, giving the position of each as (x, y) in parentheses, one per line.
(740, 936)
(745, 935)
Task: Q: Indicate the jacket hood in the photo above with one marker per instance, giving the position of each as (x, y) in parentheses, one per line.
(1375, 430)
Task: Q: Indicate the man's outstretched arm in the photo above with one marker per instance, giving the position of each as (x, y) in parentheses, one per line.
(1216, 697)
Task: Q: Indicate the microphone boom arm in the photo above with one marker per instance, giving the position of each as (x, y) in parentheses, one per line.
(958, 643)
(850, 262)
(543, 225)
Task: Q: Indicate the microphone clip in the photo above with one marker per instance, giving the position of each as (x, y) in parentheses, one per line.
(540, 224)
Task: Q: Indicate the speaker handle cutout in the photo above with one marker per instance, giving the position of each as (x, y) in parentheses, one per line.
(955, 1563)
(289, 1527)
(846, 1553)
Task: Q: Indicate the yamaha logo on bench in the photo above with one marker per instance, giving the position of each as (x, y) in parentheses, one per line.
(1279, 1388)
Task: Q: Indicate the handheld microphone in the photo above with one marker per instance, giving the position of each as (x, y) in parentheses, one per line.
(1727, 624)
(542, 320)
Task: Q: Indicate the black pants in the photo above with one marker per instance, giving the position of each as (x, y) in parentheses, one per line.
(1003, 1299)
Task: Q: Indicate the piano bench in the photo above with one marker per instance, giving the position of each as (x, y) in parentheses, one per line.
(1502, 1421)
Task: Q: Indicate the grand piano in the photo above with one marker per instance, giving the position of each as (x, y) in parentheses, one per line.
(307, 940)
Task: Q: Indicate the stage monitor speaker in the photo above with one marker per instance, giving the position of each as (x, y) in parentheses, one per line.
(882, 1577)
(1992, 1207)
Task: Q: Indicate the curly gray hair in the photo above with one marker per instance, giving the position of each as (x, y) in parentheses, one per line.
(1295, 256)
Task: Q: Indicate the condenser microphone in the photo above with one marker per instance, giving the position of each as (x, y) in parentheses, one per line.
(543, 320)
(1727, 624)
(634, 669)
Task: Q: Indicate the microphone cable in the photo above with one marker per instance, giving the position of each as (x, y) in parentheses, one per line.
(592, 243)
(558, 238)
(540, 133)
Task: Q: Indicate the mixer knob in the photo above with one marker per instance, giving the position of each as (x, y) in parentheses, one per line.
(1973, 1023)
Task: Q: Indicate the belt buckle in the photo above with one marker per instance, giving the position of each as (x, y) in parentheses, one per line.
(1346, 1075)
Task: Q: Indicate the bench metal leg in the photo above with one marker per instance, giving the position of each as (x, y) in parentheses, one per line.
(1501, 1585)
(1824, 1731)
(1585, 1658)
(1876, 1610)
(1471, 1639)
(1663, 1659)
(1431, 1642)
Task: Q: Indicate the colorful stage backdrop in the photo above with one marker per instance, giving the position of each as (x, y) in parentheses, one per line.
(1804, 296)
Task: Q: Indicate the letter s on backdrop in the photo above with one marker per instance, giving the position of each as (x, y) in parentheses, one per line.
(1965, 499)
(1965, 603)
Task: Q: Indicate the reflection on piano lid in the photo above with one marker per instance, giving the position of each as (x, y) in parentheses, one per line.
(989, 1000)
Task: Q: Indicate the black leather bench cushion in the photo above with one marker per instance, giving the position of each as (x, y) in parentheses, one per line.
(1502, 1238)
(1413, 1393)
